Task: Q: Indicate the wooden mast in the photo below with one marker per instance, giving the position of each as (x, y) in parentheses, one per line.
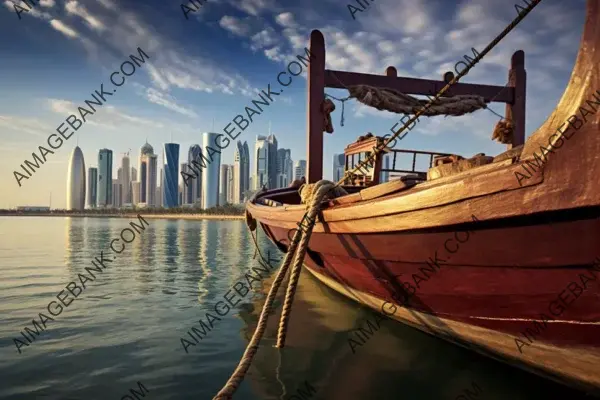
(515, 111)
(315, 116)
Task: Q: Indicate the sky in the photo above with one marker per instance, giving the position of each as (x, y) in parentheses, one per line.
(202, 71)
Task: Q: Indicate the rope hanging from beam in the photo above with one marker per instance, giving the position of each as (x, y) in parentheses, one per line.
(401, 103)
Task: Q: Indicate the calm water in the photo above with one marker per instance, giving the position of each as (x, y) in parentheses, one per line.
(126, 326)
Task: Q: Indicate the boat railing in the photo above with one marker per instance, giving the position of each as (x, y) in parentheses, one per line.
(392, 155)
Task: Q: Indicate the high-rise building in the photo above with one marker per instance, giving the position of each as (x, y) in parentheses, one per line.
(105, 166)
(194, 192)
(171, 176)
(145, 151)
(125, 179)
(133, 174)
(285, 168)
(161, 184)
(261, 163)
(230, 181)
(210, 174)
(224, 184)
(339, 166)
(92, 182)
(76, 181)
(136, 188)
(185, 189)
(117, 193)
(241, 172)
(272, 167)
(300, 169)
(385, 175)
(151, 177)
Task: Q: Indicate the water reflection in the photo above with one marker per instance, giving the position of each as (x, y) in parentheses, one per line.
(203, 263)
(395, 361)
(127, 325)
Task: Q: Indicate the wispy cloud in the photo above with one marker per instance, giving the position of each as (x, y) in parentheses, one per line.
(74, 8)
(168, 101)
(63, 28)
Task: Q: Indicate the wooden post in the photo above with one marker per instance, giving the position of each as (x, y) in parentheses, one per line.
(515, 111)
(391, 71)
(315, 116)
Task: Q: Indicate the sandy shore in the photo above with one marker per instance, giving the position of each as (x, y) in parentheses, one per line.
(133, 215)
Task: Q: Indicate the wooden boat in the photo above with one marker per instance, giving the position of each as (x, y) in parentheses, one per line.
(503, 275)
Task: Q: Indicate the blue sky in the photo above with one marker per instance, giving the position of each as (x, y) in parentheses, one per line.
(211, 66)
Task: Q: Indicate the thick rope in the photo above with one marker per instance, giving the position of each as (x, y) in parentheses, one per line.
(319, 193)
(240, 372)
(401, 103)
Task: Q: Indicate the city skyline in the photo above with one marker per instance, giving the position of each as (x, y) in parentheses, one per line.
(156, 188)
(217, 183)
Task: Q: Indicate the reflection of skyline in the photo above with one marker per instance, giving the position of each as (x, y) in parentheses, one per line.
(76, 244)
(203, 263)
(170, 249)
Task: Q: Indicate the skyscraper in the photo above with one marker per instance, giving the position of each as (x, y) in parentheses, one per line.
(92, 182)
(272, 167)
(76, 181)
(125, 179)
(224, 184)
(133, 174)
(385, 175)
(117, 193)
(136, 188)
(151, 176)
(339, 166)
(194, 192)
(210, 174)
(145, 151)
(185, 189)
(241, 172)
(105, 158)
(261, 163)
(230, 188)
(300, 169)
(285, 168)
(161, 184)
(171, 176)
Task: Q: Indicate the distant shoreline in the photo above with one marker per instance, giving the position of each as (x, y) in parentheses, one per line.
(132, 215)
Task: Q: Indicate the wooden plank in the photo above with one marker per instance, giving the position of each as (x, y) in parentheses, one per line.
(342, 80)
(385, 189)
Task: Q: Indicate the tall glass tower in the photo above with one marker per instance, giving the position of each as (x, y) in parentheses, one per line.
(105, 158)
(76, 181)
(194, 189)
(170, 176)
(92, 182)
(145, 152)
(210, 174)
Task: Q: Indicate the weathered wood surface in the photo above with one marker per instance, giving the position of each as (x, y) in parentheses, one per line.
(343, 79)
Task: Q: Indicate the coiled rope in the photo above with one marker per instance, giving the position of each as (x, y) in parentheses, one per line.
(321, 188)
(401, 103)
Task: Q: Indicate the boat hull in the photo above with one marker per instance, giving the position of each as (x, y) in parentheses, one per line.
(521, 289)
